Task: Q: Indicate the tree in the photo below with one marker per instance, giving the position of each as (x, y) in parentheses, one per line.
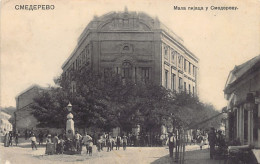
(108, 102)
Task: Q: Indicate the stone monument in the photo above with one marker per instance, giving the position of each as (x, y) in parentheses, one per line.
(70, 123)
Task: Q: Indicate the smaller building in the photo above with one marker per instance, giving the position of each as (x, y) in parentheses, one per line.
(5, 125)
(24, 101)
(242, 91)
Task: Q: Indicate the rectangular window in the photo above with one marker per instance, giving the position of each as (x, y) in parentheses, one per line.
(80, 61)
(193, 91)
(173, 82)
(173, 56)
(166, 78)
(185, 65)
(166, 52)
(180, 84)
(73, 87)
(180, 61)
(145, 75)
(189, 89)
(185, 87)
(76, 64)
(189, 68)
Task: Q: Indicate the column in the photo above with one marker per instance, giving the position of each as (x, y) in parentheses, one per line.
(250, 127)
(242, 125)
(237, 121)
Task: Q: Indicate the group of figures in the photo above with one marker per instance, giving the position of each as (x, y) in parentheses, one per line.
(10, 137)
(216, 139)
(110, 142)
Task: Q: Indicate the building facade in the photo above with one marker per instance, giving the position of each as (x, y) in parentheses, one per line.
(24, 101)
(242, 91)
(139, 48)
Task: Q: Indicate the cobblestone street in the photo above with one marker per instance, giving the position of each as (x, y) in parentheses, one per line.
(23, 154)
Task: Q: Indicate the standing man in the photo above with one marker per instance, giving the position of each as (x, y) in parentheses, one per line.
(171, 142)
(86, 141)
(56, 142)
(40, 136)
(124, 142)
(118, 142)
(78, 138)
(33, 141)
(16, 137)
(212, 142)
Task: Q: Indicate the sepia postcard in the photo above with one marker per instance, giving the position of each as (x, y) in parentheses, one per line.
(53, 109)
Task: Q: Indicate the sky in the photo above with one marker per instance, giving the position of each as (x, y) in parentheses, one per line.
(35, 44)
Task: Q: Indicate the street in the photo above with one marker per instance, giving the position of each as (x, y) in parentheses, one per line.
(23, 154)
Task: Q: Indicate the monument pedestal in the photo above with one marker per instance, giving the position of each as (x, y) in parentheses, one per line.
(70, 126)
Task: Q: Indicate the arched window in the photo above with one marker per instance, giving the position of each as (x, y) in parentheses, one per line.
(126, 70)
(126, 48)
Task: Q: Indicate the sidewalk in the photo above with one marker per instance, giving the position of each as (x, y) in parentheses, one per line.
(193, 155)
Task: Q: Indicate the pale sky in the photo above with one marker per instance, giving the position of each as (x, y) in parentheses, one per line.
(35, 44)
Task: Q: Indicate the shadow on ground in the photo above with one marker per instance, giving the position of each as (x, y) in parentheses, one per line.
(29, 145)
(191, 157)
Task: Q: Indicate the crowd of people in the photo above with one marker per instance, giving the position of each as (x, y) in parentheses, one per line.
(58, 144)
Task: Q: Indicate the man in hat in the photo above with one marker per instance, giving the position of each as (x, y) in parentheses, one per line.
(171, 142)
(212, 141)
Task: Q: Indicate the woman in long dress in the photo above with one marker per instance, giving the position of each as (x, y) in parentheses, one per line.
(6, 140)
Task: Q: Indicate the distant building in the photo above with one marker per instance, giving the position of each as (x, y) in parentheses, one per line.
(24, 101)
(136, 46)
(5, 125)
(242, 91)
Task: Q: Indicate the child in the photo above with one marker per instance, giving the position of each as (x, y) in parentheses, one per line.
(61, 145)
(90, 147)
(99, 142)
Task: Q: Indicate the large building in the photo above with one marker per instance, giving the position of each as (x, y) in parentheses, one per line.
(242, 91)
(139, 48)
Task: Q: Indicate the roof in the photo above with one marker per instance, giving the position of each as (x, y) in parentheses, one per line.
(153, 24)
(240, 70)
(29, 88)
(3, 114)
